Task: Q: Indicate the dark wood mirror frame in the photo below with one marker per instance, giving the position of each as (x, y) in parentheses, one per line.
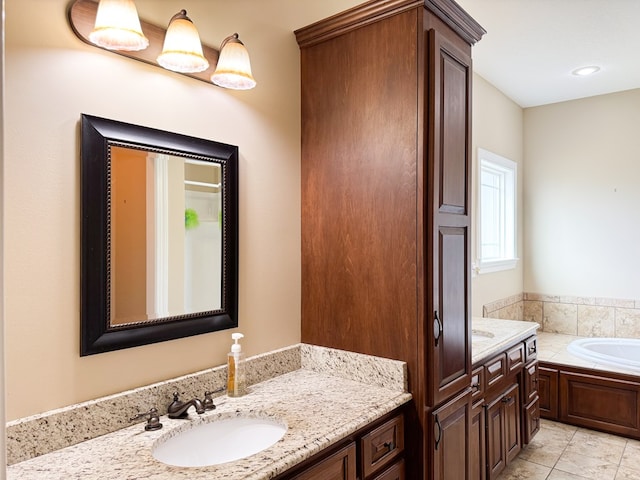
(96, 333)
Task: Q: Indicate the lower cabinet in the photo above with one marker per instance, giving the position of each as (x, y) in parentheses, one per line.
(503, 430)
(548, 391)
(477, 448)
(451, 437)
(373, 453)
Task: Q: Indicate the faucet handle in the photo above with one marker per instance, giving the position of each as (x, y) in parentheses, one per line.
(153, 419)
(208, 401)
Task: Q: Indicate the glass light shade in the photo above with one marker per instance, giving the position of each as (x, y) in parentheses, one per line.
(234, 68)
(117, 26)
(182, 50)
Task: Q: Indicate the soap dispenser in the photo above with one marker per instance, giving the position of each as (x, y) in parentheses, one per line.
(236, 386)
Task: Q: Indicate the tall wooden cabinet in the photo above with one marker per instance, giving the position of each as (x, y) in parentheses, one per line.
(386, 135)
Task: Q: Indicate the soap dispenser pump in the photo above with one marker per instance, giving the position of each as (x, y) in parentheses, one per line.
(236, 386)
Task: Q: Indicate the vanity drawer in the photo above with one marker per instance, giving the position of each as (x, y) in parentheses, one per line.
(531, 420)
(495, 370)
(382, 445)
(530, 382)
(515, 358)
(531, 348)
(395, 472)
(340, 465)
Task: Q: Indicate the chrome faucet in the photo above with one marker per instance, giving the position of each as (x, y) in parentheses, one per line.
(178, 409)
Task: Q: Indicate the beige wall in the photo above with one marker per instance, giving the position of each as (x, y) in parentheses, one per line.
(51, 78)
(582, 197)
(3, 453)
(497, 127)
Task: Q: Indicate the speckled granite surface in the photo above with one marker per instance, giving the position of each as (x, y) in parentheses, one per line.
(501, 334)
(319, 405)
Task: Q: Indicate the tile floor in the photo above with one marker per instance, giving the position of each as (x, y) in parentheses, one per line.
(564, 452)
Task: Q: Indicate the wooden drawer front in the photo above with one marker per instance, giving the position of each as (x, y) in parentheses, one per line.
(530, 381)
(382, 445)
(515, 358)
(339, 466)
(395, 472)
(600, 403)
(531, 348)
(495, 370)
(531, 420)
(477, 383)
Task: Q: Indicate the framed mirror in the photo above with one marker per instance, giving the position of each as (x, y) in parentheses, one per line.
(159, 228)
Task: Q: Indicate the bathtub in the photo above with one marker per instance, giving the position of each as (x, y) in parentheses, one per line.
(617, 352)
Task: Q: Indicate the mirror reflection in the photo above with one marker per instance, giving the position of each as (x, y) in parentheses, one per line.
(166, 235)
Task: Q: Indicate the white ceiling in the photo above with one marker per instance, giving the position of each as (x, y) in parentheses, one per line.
(532, 46)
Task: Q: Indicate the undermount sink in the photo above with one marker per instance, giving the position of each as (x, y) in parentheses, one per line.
(219, 441)
(480, 335)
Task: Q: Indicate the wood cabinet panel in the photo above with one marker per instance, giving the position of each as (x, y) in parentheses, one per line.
(598, 402)
(530, 380)
(477, 383)
(503, 430)
(531, 420)
(548, 392)
(381, 446)
(449, 110)
(477, 447)
(395, 472)
(515, 358)
(339, 466)
(450, 446)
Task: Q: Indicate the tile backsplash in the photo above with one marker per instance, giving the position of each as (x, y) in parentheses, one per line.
(584, 316)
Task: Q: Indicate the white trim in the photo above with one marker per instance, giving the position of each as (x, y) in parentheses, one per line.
(495, 266)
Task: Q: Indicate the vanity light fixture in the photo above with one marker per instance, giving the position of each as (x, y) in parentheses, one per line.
(584, 71)
(234, 67)
(117, 26)
(182, 50)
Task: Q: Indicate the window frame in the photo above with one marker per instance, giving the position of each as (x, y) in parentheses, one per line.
(508, 238)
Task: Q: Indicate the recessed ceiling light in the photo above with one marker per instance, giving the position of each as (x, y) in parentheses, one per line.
(584, 71)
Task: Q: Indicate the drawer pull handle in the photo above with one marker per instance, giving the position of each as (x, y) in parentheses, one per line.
(437, 432)
(532, 349)
(387, 446)
(506, 399)
(475, 387)
(437, 327)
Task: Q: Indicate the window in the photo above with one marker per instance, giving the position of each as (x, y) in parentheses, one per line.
(497, 212)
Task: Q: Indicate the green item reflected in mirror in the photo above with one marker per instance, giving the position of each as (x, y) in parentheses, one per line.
(190, 219)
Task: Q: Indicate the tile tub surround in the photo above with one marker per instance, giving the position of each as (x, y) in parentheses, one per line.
(40, 434)
(571, 315)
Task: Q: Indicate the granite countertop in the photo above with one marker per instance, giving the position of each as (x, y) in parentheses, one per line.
(491, 336)
(319, 409)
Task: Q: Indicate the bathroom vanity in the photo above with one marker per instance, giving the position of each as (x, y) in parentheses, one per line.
(505, 401)
(344, 415)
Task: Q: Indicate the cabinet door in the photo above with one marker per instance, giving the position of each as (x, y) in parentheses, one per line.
(448, 215)
(548, 392)
(451, 432)
(477, 455)
(339, 466)
(511, 401)
(503, 430)
(496, 449)
(530, 382)
(531, 420)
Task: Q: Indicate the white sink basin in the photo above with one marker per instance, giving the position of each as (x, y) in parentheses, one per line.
(219, 441)
(480, 335)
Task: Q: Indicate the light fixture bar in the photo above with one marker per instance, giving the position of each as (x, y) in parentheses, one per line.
(82, 16)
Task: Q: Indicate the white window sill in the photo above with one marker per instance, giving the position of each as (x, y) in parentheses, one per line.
(496, 266)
